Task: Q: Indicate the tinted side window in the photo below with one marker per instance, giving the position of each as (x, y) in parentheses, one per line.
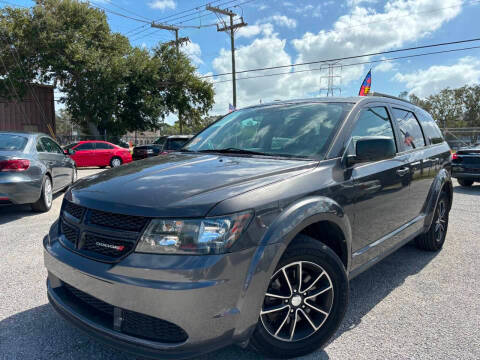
(103, 146)
(84, 146)
(374, 121)
(410, 131)
(39, 146)
(430, 128)
(50, 146)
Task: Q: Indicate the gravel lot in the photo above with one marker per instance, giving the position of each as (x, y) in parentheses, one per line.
(412, 305)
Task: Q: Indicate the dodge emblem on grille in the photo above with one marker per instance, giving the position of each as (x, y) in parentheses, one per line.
(115, 247)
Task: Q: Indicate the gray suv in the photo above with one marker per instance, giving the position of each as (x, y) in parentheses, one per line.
(251, 232)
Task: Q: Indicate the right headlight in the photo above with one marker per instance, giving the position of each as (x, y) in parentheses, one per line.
(214, 235)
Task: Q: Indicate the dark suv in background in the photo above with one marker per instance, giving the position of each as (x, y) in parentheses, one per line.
(161, 146)
(251, 232)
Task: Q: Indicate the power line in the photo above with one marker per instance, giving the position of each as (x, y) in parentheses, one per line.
(120, 14)
(356, 64)
(198, 10)
(347, 57)
(111, 3)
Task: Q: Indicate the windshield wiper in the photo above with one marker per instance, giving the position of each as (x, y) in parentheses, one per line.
(232, 150)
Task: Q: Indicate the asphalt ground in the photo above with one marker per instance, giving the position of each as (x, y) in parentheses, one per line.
(412, 305)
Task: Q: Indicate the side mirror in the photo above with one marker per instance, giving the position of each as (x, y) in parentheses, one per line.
(369, 149)
(70, 152)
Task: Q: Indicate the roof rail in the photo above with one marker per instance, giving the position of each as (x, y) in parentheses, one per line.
(387, 96)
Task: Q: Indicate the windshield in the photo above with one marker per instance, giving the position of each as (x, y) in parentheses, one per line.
(12, 142)
(299, 130)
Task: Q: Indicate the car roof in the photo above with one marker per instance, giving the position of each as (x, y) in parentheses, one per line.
(179, 136)
(336, 99)
(24, 133)
(90, 141)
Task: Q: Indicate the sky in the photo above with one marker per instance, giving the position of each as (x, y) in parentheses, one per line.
(287, 32)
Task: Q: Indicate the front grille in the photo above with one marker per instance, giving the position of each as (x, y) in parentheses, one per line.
(70, 232)
(132, 323)
(113, 248)
(98, 234)
(74, 209)
(89, 300)
(117, 221)
(151, 328)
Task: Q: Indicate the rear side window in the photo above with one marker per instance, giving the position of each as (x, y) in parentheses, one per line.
(39, 146)
(84, 146)
(373, 121)
(410, 131)
(51, 146)
(103, 146)
(430, 128)
(10, 142)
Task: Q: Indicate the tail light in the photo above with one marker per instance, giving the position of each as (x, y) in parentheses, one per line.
(14, 165)
(454, 156)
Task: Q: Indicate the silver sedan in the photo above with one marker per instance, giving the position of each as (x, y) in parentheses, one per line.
(33, 167)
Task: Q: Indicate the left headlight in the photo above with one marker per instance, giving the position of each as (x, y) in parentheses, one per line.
(214, 235)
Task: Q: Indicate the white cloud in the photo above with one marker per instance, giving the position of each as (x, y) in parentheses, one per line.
(385, 66)
(312, 11)
(400, 22)
(358, 2)
(254, 30)
(437, 77)
(163, 4)
(193, 51)
(282, 20)
(263, 52)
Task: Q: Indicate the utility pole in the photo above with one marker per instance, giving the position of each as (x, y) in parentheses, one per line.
(177, 42)
(231, 29)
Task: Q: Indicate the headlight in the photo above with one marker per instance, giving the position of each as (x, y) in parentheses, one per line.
(198, 236)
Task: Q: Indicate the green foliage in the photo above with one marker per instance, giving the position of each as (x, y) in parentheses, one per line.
(105, 81)
(452, 108)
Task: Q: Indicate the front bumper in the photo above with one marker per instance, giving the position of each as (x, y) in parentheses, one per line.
(215, 299)
(19, 188)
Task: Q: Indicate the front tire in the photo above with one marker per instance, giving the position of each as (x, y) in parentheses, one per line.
(44, 204)
(465, 182)
(305, 303)
(434, 238)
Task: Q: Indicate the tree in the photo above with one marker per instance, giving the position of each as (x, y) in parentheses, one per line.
(108, 85)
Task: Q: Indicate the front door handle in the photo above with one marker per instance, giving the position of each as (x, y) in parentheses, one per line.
(403, 171)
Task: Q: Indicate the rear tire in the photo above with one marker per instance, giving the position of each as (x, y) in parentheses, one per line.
(44, 204)
(465, 182)
(434, 238)
(115, 162)
(313, 305)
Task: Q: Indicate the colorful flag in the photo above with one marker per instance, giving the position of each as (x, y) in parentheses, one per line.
(231, 108)
(367, 83)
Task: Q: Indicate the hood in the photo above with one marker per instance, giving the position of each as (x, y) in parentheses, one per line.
(180, 184)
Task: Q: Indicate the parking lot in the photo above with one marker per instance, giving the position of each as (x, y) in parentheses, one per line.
(412, 305)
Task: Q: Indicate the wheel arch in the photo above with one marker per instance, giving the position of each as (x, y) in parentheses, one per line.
(441, 183)
(319, 217)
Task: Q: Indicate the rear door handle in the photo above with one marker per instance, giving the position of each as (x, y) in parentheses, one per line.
(403, 171)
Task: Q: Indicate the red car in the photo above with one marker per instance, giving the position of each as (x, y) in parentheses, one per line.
(98, 153)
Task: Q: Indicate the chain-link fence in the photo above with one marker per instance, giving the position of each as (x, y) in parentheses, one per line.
(461, 137)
